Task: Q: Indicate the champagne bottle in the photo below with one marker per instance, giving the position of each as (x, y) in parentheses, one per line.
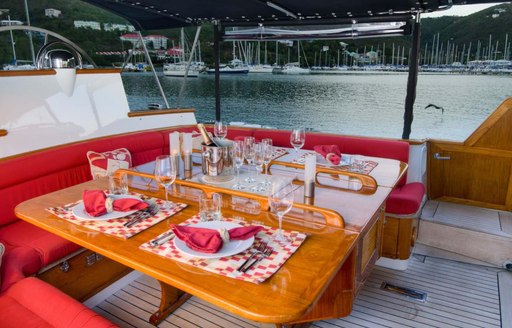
(206, 137)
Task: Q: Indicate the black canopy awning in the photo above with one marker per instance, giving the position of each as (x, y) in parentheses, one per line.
(160, 14)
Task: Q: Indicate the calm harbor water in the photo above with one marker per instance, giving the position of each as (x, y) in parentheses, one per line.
(356, 104)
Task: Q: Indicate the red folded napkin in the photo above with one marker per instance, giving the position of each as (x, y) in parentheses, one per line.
(96, 203)
(209, 240)
(331, 153)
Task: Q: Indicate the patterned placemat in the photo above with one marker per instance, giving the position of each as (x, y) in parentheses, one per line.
(278, 152)
(115, 227)
(366, 166)
(227, 266)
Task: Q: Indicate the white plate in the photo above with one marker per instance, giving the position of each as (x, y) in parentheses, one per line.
(80, 213)
(231, 248)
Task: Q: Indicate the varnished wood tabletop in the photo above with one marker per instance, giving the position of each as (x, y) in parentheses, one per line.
(285, 297)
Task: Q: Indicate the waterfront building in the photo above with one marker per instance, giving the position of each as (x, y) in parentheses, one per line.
(118, 27)
(87, 24)
(51, 12)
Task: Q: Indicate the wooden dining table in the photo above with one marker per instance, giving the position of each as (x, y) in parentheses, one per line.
(320, 280)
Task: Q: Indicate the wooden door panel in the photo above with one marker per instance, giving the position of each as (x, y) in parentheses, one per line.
(473, 175)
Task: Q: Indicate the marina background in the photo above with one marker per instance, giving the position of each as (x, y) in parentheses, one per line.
(357, 104)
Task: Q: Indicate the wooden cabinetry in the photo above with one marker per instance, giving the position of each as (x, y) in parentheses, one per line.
(477, 171)
(84, 274)
(399, 235)
(369, 248)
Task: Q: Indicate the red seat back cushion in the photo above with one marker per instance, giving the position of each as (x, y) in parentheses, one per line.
(280, 138)
(38, 173)
(406, 199)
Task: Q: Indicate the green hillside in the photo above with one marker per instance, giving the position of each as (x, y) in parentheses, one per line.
(459, 32)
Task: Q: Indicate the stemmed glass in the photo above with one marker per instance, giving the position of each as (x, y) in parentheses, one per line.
(268, 151)
(258, 163)
(165, 174)
(249, 154)
(297, 139)
(238, 154)
(220, 129)
(280, 199)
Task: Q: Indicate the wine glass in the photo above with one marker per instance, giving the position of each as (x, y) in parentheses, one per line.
(280, 199)
(165, 174)
(297, 139)
(268, 151)
(249, 156)
(220, 129)
(238, 154)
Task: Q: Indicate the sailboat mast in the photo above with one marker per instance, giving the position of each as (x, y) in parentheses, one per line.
(182, 44)
(266, 63)
(298, 52)
(277, 53)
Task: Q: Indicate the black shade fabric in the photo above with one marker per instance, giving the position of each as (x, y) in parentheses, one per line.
(160, 14)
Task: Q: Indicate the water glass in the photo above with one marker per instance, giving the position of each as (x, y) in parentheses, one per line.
(210, 208)
(298, 138)
(118, 185)
(220, 129)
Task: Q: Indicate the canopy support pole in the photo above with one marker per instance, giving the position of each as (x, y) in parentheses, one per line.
(412, 79)
(216, 51)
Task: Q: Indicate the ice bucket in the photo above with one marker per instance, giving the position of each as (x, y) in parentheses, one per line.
(218, 162)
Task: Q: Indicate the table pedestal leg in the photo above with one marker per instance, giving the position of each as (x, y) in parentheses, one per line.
(172, 298)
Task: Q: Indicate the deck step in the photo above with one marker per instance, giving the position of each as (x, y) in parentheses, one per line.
(448, 226)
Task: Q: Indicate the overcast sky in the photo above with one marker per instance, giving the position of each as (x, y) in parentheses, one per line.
(462, 10)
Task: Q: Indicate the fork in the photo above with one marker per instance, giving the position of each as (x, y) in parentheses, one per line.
(265, 253)
(258, 249)
(151, 210)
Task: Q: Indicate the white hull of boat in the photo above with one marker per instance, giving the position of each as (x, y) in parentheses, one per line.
(228, 70)
(260, 69)
(291, 70)
(181, 73)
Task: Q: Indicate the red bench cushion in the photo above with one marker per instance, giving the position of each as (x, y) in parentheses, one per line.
(33, 303)
(405, 199)
(48, 246)
(18, 262)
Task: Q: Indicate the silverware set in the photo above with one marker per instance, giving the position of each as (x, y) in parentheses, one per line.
(65, 208)
(149, 211)
(260, 252)
(160, 240)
